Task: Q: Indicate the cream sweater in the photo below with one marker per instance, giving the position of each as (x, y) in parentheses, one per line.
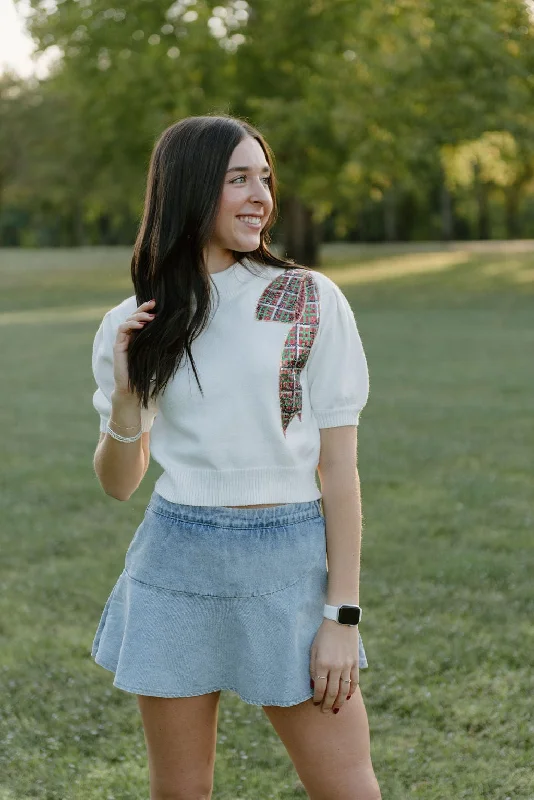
(280, 359)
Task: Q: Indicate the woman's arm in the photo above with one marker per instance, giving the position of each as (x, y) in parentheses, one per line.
(340, 488)
(121, 466)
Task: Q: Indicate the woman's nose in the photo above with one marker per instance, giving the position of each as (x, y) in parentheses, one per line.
(261, 191)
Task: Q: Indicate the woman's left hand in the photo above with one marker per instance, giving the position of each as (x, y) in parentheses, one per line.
(334, 654)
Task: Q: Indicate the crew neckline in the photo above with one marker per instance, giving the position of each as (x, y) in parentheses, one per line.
(230, 280)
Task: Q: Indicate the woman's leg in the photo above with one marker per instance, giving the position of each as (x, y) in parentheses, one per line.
(330, 752)
(181, 737)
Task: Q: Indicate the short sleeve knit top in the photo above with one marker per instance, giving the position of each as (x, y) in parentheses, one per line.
(280, 359)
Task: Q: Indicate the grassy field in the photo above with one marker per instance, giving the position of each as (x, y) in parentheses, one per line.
(445, 458)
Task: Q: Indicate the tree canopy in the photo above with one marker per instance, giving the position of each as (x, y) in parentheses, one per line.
(377, 113)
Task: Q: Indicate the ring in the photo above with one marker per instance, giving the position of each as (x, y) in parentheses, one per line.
(347, 681)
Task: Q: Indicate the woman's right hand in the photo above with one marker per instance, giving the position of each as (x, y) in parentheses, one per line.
(135, 321)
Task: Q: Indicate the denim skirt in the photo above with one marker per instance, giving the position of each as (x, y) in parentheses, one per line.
(213, 597)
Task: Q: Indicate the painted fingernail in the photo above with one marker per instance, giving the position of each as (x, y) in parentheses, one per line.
(312, 684)
(336, 710)
(349, 696)
(316, 704)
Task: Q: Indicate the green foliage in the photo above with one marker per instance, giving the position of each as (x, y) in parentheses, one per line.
(359, 101)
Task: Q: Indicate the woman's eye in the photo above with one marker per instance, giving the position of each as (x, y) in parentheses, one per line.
(266, 179)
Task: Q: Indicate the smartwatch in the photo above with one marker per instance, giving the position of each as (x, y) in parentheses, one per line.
(345, 614)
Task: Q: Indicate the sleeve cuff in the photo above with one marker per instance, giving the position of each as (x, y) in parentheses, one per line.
(336, 417)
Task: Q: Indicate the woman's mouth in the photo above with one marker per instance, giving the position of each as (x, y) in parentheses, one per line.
(250, 221)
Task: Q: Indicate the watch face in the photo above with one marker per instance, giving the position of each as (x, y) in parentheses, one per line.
(348, 615)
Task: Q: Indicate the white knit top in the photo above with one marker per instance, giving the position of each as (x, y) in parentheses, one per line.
(280, 359)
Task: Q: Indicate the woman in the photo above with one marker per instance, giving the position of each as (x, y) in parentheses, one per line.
(225, 584)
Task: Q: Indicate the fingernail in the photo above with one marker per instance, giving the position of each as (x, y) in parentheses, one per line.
(316, 704)
(336, 710)
(349, 696)
(312, 684)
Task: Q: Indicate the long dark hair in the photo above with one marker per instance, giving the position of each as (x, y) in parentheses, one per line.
(184, 187)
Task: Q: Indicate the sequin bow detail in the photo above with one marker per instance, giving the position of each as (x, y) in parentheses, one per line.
(293, 297)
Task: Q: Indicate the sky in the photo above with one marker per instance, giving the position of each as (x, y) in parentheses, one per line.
(16, 46)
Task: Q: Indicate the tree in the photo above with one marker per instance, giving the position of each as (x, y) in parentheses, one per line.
(359, 101)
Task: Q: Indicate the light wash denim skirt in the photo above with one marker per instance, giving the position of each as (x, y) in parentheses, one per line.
(214, 598)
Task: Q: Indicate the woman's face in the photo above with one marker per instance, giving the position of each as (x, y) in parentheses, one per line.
(246, 203)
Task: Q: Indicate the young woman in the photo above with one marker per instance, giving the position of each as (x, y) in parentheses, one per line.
(225, 583)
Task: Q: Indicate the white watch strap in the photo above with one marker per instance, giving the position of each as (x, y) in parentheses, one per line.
(330, 612)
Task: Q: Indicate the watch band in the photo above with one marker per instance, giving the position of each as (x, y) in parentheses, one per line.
(333, 612)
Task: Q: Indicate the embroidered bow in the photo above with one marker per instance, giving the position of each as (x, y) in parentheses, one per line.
(292, 297)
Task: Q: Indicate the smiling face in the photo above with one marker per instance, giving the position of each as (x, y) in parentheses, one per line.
(245, 206)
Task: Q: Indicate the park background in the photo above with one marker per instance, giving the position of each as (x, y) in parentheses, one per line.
(403, 137)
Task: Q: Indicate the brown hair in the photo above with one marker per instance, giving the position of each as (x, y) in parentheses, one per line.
(184, 187)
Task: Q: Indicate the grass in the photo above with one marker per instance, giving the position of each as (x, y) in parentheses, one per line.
(445, 458)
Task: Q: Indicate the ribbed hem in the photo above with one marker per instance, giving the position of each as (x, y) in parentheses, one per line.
(206, 487)
(340, 416)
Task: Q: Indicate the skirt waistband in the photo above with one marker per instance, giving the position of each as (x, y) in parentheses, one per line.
(223, 516)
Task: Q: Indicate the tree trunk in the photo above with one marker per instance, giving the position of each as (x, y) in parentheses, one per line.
(79, 226)
(301, 235)
(390, 216)
(447, 219)
(74, 227)
(104, 229)
(512, 211)
(481, 194)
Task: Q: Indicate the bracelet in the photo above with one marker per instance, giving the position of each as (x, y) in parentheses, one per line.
(125, 427)
(120, 438)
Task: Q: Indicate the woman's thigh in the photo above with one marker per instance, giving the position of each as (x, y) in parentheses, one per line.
(331, 752)
(181, 737)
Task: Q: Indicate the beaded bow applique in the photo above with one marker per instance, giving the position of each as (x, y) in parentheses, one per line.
(292, 297)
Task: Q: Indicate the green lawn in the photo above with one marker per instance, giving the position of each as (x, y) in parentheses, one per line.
(446, 449)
